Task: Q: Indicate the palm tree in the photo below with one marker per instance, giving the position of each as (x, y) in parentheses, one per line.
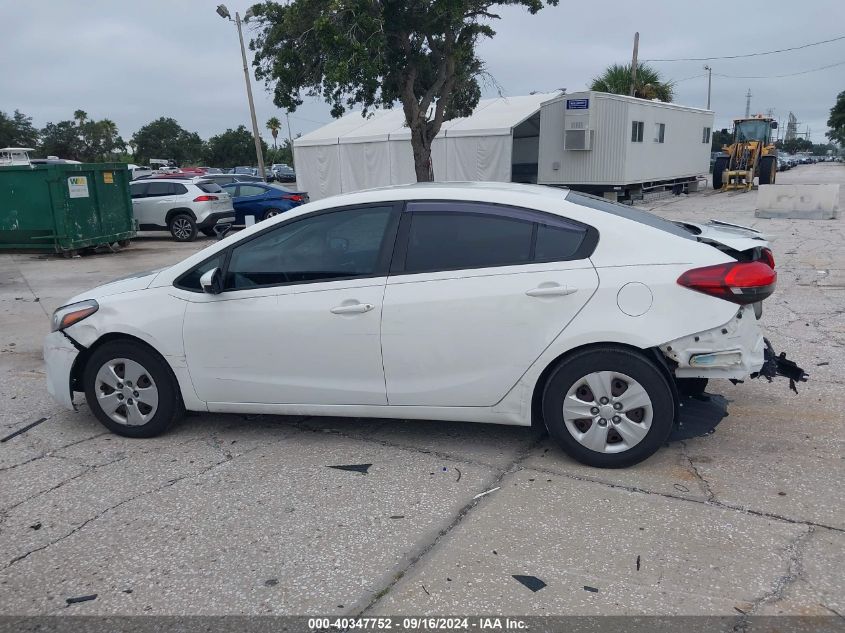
(273, 124)
(650, 85)
(81, 116)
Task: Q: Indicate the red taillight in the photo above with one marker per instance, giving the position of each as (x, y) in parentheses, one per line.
(205, 198)
(292, 197)
(738, 282)
(767, 257)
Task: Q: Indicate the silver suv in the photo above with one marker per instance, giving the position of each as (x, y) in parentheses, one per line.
(181, 206)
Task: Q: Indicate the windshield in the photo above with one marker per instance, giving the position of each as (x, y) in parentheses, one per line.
(752, 131)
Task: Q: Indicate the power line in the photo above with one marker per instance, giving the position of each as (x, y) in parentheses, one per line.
(803, 72)
(780, 50)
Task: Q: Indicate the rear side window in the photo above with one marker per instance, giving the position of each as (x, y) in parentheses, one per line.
(448, 240)
(627, 212)
(177, 190)
(455, 235)
(209, 187)
(251, 190)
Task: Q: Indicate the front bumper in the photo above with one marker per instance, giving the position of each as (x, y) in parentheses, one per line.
(59, 356)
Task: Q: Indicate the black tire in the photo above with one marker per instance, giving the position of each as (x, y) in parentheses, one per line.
(270, 213)
(574, 369)
(182, 227)
(719, 167)
(768, 170)
(124, 243)
(691, 387)
(169, 407)
(208, 232)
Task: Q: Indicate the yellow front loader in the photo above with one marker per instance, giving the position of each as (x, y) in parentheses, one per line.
(751, 154)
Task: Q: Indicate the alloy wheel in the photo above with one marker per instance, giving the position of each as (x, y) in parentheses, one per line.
(182, 228)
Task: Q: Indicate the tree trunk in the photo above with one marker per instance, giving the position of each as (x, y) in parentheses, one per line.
(421, 147)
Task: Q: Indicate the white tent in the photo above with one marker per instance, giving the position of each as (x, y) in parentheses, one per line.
(354, 152)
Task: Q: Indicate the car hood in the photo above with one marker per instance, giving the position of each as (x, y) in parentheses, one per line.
(734, 236)
(138, 281)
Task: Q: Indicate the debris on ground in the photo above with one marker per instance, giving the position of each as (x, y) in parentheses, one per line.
(486, 492)
(590, 589)
(532, 582)
(355, 468)
(93, 596)
(23, 430)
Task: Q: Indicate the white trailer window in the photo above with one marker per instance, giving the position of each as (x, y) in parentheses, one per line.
(659, 132)
(705, 135)
(637, 128)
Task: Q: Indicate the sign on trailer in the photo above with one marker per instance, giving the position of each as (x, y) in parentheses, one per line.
(577, 104)
(77, 187)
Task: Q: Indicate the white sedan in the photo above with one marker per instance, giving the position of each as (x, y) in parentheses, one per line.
(473, 302)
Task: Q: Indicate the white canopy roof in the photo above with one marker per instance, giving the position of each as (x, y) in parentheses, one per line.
(492, 117)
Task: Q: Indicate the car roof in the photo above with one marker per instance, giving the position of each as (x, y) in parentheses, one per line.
(461, 190)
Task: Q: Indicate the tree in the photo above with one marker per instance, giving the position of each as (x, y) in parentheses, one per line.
(100, 141)
(61, 139)
(17, 130)
(232, 147)
(836, 122)
(794, 145)
(650, 85)
(165, 138)
(273, 124)
(282, 154)
(720, 138)
(80, 116)
(372, 53)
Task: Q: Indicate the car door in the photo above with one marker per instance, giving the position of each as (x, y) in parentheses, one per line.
(138, 192)
(156, 203)
(249, 200)
(300, 316)
(476, 293)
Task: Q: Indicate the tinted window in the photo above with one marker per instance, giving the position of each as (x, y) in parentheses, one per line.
(627, 212)
(209, 187)
(177, 190)
(138, 190)
(444, 240)
(159, 189)
(334, 245)
(251, 190)
(558, 241)
(191, 279)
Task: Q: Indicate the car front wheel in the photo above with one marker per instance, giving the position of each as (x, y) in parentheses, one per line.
(608, 407)
(131, 390)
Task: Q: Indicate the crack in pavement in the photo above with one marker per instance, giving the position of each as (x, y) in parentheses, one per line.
(794, 551)
(711, 496)
(456, 520)
(714, 503)
(53, 450)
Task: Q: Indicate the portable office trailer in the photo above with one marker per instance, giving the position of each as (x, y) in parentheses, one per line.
(621, 146)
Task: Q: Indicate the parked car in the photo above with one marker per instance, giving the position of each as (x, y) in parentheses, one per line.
(249, 171)
(225, 179)
(283, 173)
(783, 164)
(180, 206)
(484, 302)
(262, 201)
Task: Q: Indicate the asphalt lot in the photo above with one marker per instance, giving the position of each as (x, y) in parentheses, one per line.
(232, 514)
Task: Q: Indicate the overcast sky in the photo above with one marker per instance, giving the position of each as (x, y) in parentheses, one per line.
(136, 61)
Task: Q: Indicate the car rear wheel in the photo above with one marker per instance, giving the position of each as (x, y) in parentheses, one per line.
(131, 390)
(183, 228)
(608, 407)
(270, 213)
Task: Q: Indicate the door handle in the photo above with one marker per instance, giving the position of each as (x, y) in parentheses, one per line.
(355, 308)
(550, 291)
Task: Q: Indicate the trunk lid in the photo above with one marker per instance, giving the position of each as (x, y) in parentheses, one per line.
(727, 236)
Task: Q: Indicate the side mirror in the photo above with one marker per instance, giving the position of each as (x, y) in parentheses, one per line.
(774, 125)
(212, 282)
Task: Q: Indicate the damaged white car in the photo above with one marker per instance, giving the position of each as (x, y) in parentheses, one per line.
(474, 302)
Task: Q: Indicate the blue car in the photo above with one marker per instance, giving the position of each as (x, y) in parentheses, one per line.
(261, 201)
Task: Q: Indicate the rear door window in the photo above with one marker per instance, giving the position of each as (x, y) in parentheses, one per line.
(177, 189)
(157, 189)
(210, 187)
(251, 190)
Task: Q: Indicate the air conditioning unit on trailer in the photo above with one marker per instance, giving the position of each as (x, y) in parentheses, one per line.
(578, 139)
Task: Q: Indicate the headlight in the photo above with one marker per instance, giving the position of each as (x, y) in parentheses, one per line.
(67, 315)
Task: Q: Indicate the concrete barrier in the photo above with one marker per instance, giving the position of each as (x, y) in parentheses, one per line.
(808, 202)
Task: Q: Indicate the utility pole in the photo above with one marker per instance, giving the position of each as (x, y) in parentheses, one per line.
(748, 104)
(634, 62)
(709, 77)
(290, 138)
(257, 138)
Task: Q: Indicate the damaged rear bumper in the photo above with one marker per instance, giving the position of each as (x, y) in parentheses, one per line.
(779, 365)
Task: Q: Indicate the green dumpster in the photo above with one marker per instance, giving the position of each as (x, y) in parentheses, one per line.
(64, 207)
